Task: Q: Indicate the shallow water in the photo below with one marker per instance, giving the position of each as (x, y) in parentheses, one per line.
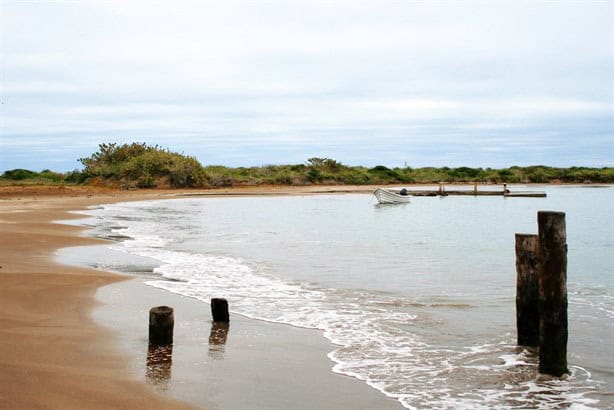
(418, 298)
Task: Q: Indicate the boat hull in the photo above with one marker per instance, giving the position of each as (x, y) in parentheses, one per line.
(385, 196)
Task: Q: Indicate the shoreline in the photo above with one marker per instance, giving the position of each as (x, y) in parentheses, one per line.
(19, 192)
(251, 364)
(50, 344)
(51, 353)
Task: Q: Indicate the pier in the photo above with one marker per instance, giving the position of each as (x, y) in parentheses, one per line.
(504, 191)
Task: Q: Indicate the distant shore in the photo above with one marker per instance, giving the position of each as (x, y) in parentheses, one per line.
(89, 192)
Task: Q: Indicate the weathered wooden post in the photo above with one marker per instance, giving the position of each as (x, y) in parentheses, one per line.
(219, 310)
(161, 323)
(442, 189)
(475, 188)
(552, 293)
(527, 289)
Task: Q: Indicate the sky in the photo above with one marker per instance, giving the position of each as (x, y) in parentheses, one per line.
(489, 83)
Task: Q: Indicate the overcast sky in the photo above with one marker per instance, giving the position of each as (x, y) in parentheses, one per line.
(457, 83)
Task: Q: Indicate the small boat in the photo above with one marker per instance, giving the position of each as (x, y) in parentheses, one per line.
(386, 196)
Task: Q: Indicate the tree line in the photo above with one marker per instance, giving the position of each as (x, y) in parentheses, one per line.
(138, 165)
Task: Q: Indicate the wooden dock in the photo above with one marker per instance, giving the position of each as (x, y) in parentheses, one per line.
(442, 191)
(518, 194)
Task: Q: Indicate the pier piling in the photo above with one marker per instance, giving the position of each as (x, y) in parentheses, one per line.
(219, 310)
(161, 323)
(527, 289)
(553, 331)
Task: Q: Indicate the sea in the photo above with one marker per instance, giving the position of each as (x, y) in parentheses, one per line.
(417, 299)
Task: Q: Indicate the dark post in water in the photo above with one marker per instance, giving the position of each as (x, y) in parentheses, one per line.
(552, 293)
(161, 323)
(527, 289)
(219, 310)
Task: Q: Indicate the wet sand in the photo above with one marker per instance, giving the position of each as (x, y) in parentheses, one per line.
(250, 364)
(53, 355)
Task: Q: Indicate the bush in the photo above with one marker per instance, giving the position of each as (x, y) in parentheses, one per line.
(143, 166)
(19, 174)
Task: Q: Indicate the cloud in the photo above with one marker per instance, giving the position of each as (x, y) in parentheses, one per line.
(245, 83)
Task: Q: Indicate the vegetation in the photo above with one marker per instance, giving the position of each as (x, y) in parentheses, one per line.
(142, 166)
(139, 165)
(27, 177)
(328, 171)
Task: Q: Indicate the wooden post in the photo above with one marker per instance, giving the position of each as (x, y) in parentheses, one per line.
(475, 188)
(552, 293)
(527, 290)
(442, 189)
(219, 310)
(161, 323)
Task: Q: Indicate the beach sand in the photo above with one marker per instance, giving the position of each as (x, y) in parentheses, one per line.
(61, 348)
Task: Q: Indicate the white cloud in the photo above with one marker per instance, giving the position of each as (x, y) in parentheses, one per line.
(290, 74)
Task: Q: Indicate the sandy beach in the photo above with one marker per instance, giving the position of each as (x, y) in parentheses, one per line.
(51, 352)
(56, 353)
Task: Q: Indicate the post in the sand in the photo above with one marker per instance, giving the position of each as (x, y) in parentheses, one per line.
(219, 310)
(161, 323)
(527, 289)
(552, 293)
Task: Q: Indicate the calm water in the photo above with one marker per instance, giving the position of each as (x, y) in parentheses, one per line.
(419, 299)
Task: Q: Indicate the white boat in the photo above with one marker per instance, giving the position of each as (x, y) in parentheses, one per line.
(386, 196)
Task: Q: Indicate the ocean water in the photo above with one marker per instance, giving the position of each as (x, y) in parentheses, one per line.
(418, 299)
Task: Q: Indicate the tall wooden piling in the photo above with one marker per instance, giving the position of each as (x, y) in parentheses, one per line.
(527, 289)
(219, 310)
(552, 293)
(161, 324)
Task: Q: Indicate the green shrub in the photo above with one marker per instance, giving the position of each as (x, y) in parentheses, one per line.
(19, 174)
(314, 175)
(144, 166)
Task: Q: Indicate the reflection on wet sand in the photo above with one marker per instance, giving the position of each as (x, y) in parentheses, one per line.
(159, 364)
(217, 339)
